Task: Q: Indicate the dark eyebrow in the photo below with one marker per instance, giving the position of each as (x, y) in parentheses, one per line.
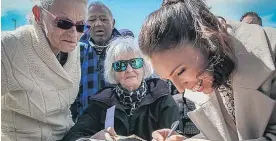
(174, 69)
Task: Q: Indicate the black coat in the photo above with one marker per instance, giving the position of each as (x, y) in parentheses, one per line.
(156, 111)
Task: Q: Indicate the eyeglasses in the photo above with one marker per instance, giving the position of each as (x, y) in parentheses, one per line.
(67, 24)
(135, 63)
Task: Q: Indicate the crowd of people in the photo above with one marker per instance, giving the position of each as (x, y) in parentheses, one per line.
(61, 75)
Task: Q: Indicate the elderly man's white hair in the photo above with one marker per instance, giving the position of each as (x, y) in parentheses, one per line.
(46, 3)
(122, 46)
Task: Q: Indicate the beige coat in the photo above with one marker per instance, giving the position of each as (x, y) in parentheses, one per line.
(36, 91)
(254, 86)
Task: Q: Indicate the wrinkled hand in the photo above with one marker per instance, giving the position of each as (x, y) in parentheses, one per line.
(160, 135)
(105, 134)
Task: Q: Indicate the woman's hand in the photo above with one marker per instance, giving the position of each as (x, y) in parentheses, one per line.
(107, 134)
(161, 135)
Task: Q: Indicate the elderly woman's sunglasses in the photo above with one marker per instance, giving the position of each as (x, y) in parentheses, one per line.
(67, 24)
(135, 63)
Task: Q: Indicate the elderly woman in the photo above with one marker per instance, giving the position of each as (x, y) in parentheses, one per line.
(233, 76)
(40, 72)
(140, 106)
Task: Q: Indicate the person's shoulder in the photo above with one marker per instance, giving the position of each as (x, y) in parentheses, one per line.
(100, 101)
(160, 92)
(271, 33)
(8, 39)
(84, 40)
(12, 39)
(126, 32)
(271, 39)
(85, 37)
(239, 28)
(103, 99)
(158, 86)
(103, 95)
(249, 36)
(83, 45)
(270, 29)
(115, 33)
(19, 32)
(156, 83)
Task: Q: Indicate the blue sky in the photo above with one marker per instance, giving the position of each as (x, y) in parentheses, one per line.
(130, 14)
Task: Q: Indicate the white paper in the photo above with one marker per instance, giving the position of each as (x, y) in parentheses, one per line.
(109, 119)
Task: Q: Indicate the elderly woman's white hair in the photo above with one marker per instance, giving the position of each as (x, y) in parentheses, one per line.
(123, 46)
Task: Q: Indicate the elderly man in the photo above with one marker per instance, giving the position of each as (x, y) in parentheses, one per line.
(37, 86)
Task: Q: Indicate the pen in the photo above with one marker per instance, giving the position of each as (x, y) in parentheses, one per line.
(173, 128)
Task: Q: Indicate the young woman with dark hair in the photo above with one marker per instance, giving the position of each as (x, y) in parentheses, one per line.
(234, 72)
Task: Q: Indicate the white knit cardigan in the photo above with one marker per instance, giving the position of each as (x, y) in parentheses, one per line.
(36, 91)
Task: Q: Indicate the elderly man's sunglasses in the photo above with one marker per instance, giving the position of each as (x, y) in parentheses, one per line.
(67, 24)
(135, 63)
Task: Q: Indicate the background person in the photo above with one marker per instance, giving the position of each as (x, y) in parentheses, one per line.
(251, 18)
(93, 47)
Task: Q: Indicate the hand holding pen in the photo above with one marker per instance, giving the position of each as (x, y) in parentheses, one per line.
(173, 128)
(168, 134)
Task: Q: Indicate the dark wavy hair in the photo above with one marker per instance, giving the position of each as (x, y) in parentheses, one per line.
(179, 22)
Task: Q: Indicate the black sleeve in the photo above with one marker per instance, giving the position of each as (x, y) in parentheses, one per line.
(87, 125)
(169, 112)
